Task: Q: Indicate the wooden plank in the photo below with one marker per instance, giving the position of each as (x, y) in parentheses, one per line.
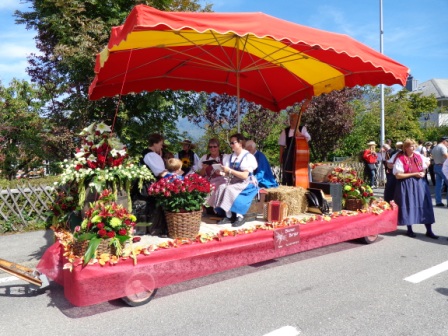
(19, 271)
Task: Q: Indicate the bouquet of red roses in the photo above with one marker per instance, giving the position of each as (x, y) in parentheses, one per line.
(181, 195)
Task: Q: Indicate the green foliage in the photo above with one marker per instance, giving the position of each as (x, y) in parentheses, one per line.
(69, 35)
(329, 119)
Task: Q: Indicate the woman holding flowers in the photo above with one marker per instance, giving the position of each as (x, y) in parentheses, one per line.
(235, 197)
(412, 193)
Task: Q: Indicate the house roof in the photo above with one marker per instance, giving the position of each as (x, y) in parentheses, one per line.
(438, 87)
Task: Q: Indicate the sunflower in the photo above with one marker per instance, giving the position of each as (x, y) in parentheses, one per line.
(186, 163)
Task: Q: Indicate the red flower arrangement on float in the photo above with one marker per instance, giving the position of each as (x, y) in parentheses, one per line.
(102, 162)
(105, 220)
(353, 187)
(181, 195)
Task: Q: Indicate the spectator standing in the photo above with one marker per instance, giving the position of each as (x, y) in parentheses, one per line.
(412, 193)
(440, 154)
(370, 158)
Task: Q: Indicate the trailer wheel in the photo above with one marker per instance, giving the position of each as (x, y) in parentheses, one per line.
(139, 299)
(139, 290)
(369, 239)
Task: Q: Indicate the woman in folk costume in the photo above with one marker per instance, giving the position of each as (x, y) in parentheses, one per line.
(235, 197)
(412, 193)
(205, 168)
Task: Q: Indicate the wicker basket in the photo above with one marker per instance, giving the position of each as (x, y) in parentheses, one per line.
(80, 247)
(353, 204)
(183, 224)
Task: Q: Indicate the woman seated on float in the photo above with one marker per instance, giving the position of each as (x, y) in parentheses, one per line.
(205, 169)
(234, 198)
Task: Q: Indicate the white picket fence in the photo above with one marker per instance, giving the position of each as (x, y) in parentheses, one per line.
(25, 202)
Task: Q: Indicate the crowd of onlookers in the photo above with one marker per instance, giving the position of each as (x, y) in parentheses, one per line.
(408, 168)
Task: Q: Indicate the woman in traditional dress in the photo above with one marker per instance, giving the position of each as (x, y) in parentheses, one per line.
(235, 197)
(412, 193)
(153, 159)
(205, 168)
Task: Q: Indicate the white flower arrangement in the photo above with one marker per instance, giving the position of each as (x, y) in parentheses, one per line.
(102, 162)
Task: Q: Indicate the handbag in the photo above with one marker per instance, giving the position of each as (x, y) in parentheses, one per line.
(371, 166)
(316, 201)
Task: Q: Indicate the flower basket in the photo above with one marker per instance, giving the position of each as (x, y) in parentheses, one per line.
(80, 247)
(183, 224)
(353, 204)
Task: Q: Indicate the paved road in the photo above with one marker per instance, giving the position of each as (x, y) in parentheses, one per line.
(343, 289)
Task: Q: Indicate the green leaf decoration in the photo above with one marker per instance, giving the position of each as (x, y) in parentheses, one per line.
(91, 249)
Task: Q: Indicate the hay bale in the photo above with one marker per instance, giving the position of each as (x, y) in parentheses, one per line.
(293, 196)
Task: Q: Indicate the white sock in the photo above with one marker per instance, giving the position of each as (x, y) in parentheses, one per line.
(229, 214)
(239, 215)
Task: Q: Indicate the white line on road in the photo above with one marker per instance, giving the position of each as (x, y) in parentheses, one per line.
(284, 331)
(8, 279)
(428, 273)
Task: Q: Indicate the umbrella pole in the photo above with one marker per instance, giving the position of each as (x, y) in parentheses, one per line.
(238, 107)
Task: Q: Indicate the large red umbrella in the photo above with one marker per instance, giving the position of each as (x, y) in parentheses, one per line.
(255, 56)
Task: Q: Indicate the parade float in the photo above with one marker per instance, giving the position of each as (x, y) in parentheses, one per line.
(254, 56)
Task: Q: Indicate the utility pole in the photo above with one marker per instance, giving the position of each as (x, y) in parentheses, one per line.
(382, 85)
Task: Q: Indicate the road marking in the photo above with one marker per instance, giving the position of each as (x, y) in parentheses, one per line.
(8, 279)
(284, 331)
(428, 273)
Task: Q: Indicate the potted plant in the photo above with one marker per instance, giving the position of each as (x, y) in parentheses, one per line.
(356, 194)
(182, 201)
(107, 225)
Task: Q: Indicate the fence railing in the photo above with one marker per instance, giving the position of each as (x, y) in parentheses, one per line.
(25, 202)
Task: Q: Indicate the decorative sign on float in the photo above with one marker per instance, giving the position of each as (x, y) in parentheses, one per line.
(287, 236)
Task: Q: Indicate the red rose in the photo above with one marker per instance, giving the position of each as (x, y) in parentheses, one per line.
(122, 232)
(102, 233)
(100, 226)
(111, 234)
(136, 239)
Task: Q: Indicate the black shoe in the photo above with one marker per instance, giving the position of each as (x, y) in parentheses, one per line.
(411, 234)
(225, 220)
(431, 235)
(440, 205)
(239, 221)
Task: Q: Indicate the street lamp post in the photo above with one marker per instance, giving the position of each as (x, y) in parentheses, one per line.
(382, 85)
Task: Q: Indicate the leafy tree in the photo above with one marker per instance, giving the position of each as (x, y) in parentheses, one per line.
(69, 35)
(26, 139)
(329, 118)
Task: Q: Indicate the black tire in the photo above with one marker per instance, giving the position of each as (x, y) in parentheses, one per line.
(369, 239)
(139, 299)
(140, 289)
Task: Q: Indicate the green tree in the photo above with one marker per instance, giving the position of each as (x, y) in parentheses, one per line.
(329, 119)
(69, 35)
(26, 139)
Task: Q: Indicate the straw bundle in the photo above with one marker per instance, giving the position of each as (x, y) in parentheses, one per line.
(294, 197)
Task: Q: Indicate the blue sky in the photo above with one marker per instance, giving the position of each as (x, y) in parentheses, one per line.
(415, 31)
